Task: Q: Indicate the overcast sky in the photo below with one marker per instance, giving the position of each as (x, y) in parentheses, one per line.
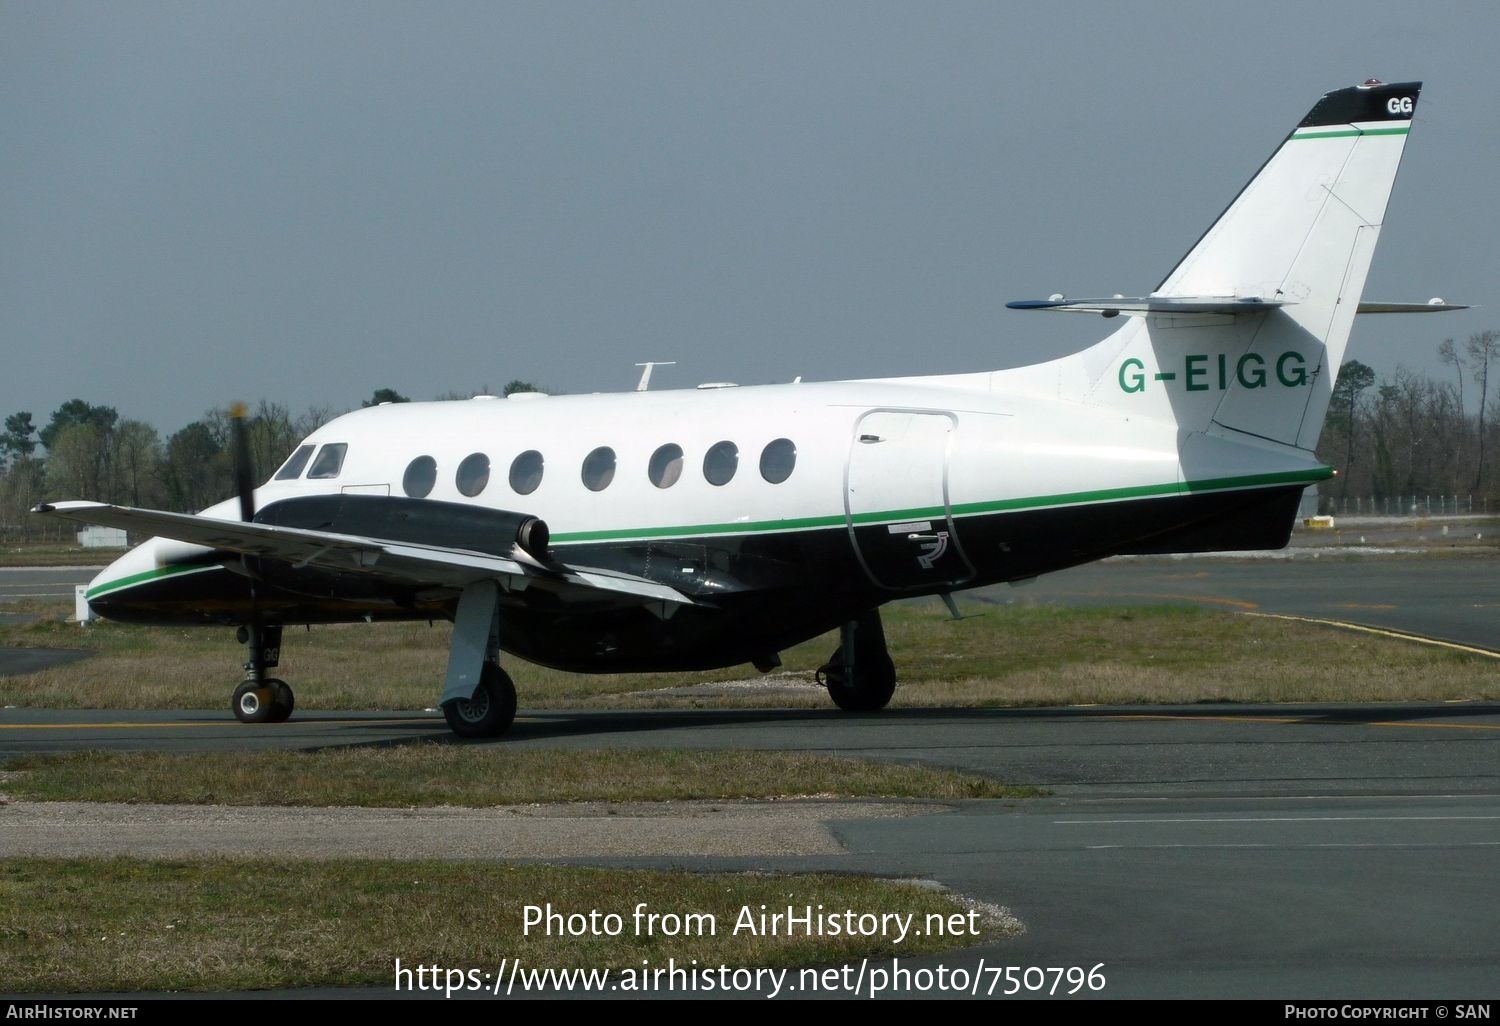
(308, 201)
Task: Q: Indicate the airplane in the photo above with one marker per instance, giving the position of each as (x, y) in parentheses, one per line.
(709, 527)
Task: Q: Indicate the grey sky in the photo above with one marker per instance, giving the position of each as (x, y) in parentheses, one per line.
(307, 201)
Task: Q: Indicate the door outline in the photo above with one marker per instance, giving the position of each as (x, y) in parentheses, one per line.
(934, 549)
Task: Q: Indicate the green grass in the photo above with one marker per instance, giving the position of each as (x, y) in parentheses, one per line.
(56, 554)
(999, 655)
(476, 776)
(131, 925)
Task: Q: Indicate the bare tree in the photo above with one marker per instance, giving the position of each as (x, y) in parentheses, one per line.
(1354, 378)
(1448, 353)
(135, 463)
(1482, 349)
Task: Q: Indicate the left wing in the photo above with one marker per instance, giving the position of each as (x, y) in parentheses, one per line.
(404, 562)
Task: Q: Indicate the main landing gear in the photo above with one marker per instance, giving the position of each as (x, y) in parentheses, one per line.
(479, 698)
(262, 699)
(490, 711)
(860, 676)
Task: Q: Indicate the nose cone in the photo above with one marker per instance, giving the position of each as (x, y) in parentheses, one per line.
(134, 568)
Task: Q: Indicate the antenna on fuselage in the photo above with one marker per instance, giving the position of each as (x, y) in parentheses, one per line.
(645, 381)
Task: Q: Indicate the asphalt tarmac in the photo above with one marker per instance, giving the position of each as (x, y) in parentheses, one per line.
(1208, 851)
(1450, 597)
(1294, 851)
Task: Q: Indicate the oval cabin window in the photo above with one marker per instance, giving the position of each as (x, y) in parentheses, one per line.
(599, 469)
(777, 460)
(473, 474)
(526, 472)
(721, 462)
(420, 476)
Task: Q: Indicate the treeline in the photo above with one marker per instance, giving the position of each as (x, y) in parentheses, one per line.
(88, 452)
(1410, 435)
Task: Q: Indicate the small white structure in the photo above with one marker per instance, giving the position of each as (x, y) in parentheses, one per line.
(81, 612)
(102, 538)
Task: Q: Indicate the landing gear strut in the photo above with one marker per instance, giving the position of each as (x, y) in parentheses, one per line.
(479, 698)
(860, 676)
(262, 699)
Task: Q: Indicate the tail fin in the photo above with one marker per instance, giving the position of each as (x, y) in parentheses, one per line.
(1246, 334)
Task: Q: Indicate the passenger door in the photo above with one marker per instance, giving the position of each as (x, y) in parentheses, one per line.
(896, 500)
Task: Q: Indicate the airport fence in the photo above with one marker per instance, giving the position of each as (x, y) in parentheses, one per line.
(1405, 505)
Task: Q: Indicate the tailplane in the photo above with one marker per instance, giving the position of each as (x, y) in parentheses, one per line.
(1246, 334)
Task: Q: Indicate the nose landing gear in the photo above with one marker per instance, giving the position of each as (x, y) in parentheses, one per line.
(262, 699)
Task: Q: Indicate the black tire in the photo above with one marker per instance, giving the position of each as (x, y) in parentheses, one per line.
(254, 703)
(284, 701)
(870, 691)
(490, 712)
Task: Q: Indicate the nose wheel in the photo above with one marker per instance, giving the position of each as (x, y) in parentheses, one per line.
(262, 699)
(267, 701)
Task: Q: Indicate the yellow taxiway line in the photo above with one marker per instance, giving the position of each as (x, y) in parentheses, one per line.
(1420, 639)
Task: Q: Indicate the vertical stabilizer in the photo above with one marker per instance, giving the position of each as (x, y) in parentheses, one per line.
(1246, 334)
(1302, 233)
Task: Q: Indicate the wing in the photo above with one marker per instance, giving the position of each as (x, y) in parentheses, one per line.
(403, 562)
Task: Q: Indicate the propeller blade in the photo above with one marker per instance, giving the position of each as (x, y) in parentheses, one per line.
(244, 466)
(244, 485)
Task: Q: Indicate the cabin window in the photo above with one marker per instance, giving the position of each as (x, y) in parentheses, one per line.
(329, 462)
(778, 460)
(473, 474)
(666, 466)
(721, 462)
(599, 469)
(292, 468)
(526, 472)
(421, 475)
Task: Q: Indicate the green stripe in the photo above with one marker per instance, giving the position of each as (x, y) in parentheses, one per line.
(149, 575)
(1304, 477)
(1345, 133)
(1218, 484)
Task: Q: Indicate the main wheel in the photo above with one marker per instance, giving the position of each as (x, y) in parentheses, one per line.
(255, 702)
(868, 689)
(491, 710)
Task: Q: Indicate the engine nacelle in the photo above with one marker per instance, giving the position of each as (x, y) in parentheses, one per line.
(451, 525)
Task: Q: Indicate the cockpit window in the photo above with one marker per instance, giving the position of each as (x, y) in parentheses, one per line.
(329, 462)
(292, 468)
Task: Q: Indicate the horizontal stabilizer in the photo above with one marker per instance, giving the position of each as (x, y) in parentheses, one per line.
(1140, 306)
(1431, 306)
